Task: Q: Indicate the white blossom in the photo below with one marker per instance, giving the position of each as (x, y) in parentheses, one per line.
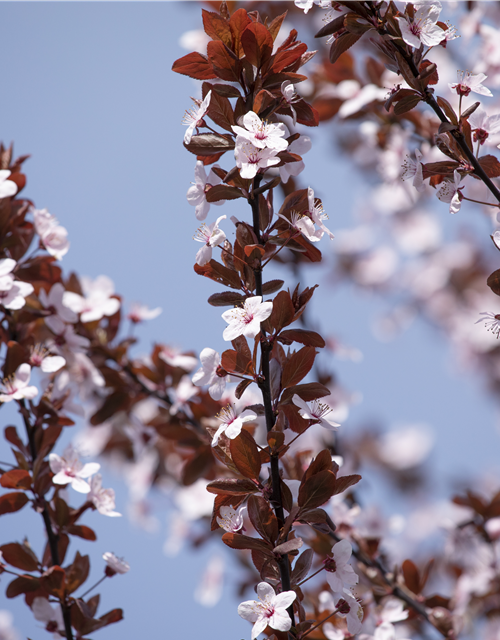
(423, 28)
(452, 192)
(7, 187)
(249, 158)
(102, 499)
(173, 357)
(140, 312)
(232, 423)
(41, 357)
(316, 411)
(69, 470)
(53, 302)
(211, 236)
(16, 387)
(52, 616)
(231, 520)
(414, 169)
(270, 609)
(338, 570)
(53, 236)
(261, 134)
(194, 117)
(466, 82)
(96, 301)
(483, 125)
(210, 374)
(115, 564)
(245, 321)
(300, 146)
(317, 213)
(197, 193)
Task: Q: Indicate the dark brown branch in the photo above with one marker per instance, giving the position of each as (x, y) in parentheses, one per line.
(265, 387)
(52, 537)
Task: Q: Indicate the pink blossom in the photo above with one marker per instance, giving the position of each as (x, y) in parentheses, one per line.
(231, 520)
(53, 302)
(304, 225)
(96, 301)
(261, 134)
(317, 412)
(466, 83)
(12, 292)
(69, 470)
(245, 321)
(66, 340)
(103, 499)
(114, 564)
(182, 394)
(232, 423)
(317, 213)
(52, 616)
(194, 117)
(300, 146)
(41, 357)
(414, 169)
(269, 610)
(211, 374)
(338, 572)
(53, 236)
(211, 236)
(173, 357)
(306, 5)
(249, 158)
(423, 28)
(140, 312)
(16, 387)
(452, 192)
(197, 193)
(483, 125)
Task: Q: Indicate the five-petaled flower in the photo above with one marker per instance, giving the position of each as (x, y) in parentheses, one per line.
(232, 423)
(317, 213)
(338, 570)
(423, 28)
(466, 83)
(270, 609)
(483, 125)
(197, 193)
(114, 564)
(261, 134)
(211, 373)
(245, 321)
(318, 412)
(52, 616)
(414, 169)
(102, 499)
(16, 387)
(211, 236)
(96, 302)
(231, 520)
(452, 192)
(54, 237)
(69, 470)
(48, 363)
(194, 117)
(249, 158)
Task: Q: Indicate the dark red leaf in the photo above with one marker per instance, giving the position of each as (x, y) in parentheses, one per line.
(20, 556)
(216, 27)
(297, 366)
(257, 44)
(11, 502)
(239, 541)
(195, 66)
(232, 486)
(308, 338)
(245, 455)
(224, 63)
(316, 490)
(263, 519)
(16, 479)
